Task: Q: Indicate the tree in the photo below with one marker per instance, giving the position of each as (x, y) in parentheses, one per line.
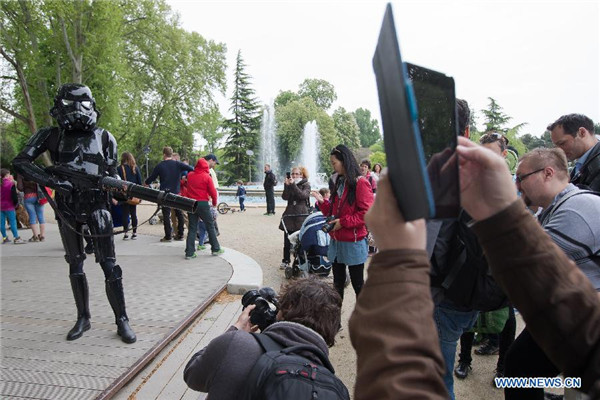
(369, 127)
(321, 91)
(145, 94)
(347, 128)
(243, 128)
(495, 119)
(210, 127)
(284, 97)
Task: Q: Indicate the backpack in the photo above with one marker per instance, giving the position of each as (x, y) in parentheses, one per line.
(466, 278)
(282, 374)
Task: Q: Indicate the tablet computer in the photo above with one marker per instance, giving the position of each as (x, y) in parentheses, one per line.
(436, 102)
(402, 140)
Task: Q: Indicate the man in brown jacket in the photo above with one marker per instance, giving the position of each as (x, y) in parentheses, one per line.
(392, 328)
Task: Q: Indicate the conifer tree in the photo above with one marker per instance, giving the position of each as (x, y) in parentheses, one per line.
(243, 129)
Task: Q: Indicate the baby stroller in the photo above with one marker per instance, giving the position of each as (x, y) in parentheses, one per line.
(309, 247)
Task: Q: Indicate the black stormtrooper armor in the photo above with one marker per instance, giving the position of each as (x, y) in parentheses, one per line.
(79, 144)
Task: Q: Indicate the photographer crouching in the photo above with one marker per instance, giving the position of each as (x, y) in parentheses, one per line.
(303, 320)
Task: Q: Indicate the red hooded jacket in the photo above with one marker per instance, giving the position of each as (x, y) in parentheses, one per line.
(200, 185)
(351, 216)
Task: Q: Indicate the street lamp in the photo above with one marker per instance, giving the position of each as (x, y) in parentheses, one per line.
(249, 153)
(146, 151)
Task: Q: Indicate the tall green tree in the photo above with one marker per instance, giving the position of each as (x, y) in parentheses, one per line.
(243, 129)
(322, 92)
(368, 126)
(347, 128)
(495, 118)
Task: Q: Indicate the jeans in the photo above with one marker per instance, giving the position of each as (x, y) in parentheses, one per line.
(451, 324)
(201, 231)
(35, 210)
(241, 199)
(12, 222)
(203, 211)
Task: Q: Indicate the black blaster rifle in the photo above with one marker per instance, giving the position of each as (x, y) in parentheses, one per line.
(83, 181)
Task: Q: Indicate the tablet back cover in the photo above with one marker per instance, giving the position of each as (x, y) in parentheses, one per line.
(403, 147)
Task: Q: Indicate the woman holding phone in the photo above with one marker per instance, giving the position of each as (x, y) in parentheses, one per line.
(351, 198)
(296, 190)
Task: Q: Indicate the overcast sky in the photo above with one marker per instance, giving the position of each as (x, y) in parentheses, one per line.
(538, 59)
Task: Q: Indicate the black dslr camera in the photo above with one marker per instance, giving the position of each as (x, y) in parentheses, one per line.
(328, 226)
(267, 306)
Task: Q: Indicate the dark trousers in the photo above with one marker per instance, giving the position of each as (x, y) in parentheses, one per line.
(502, 340)
(167, 222)
(526, 359)
(270, 194)
(129, 210)
(507, 337)
(202, 212)
(241, 200)
(287, 246)
(356, 277)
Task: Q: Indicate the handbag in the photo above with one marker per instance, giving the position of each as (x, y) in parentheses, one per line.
(134, 201)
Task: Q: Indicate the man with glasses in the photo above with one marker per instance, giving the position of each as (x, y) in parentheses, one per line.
(574, 133)
(570, 216)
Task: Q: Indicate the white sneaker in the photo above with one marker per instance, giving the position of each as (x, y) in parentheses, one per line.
(284, 265)
(19, 241)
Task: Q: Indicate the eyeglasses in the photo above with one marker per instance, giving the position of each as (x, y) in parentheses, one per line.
(335, 150)
(521, 178)
(295, 173)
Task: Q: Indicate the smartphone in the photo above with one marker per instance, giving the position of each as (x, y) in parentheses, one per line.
(288, 175)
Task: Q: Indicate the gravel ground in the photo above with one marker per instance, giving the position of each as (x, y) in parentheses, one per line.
(258, 236)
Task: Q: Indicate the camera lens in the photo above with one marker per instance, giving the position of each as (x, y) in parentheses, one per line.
(249, 297)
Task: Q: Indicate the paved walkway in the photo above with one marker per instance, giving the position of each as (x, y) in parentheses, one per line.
(164, 294)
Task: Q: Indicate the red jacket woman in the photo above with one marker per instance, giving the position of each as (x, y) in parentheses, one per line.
(351, 198)
(351, 216)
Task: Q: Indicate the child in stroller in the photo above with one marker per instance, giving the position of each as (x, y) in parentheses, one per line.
(309, 247)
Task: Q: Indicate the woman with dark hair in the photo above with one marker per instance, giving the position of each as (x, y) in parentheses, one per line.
(296, 190)
(351, 198)
(376, 171)
(129, 171)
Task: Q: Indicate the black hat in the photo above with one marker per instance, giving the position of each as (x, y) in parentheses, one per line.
(211, 157)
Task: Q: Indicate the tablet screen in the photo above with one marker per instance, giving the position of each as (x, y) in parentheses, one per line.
(436, 104)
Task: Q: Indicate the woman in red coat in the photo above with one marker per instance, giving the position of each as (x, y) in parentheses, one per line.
(351, 198)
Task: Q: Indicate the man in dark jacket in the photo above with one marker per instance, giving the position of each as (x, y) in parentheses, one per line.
(169, 171)
(221, 367)
(574, 133)
(269, 185)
